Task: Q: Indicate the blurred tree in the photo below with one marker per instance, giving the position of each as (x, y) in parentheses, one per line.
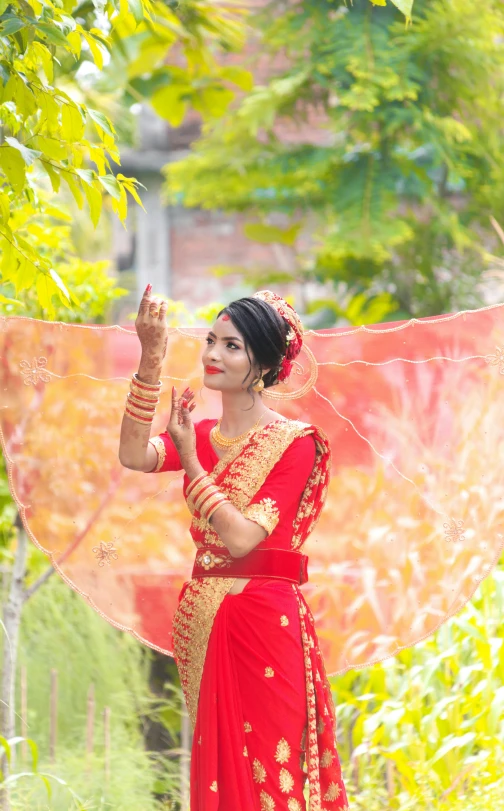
(50, 132)
(397, 189)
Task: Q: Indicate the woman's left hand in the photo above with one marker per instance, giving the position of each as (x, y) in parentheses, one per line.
(180, 426)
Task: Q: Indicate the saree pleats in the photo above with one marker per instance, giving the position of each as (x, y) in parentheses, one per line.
(251, 736)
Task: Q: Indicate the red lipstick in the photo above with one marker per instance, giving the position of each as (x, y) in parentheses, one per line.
(212, 370)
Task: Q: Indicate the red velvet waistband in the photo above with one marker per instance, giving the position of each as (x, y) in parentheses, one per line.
(282, 564)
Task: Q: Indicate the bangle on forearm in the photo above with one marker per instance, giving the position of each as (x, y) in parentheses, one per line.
(208, 489)
(193, 484)
(142, 400)
(208, 500)
(143, 397)
(143, 385)
(215, 507)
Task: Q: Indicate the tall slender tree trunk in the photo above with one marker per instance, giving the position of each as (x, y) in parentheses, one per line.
(12, 619)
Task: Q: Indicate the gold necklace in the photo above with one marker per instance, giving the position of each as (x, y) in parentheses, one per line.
(226, 442)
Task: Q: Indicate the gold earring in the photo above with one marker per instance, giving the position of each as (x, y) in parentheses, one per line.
(258, 385)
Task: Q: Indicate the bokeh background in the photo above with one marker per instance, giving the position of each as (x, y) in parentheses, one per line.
(348, 156)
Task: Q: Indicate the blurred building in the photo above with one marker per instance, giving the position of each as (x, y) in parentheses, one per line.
(175, 248)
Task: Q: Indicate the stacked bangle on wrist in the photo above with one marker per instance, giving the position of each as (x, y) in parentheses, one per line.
(205, 496)
(142, 400)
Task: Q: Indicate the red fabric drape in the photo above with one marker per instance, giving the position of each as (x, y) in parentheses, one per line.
(251, 733)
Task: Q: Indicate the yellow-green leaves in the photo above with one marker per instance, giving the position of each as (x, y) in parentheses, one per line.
(405, 6)
(45, 128)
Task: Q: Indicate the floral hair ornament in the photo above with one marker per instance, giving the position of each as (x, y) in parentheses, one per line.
(294, 338)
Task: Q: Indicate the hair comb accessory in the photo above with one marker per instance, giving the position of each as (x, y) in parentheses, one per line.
(294, 338)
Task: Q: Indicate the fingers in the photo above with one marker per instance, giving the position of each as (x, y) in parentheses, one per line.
(145, 302)
(152, 306)
(181, 404)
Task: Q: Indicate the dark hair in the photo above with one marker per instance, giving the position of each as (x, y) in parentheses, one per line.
(264, 331)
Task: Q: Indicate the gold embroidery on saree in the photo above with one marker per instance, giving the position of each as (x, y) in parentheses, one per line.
(326, 759)
(319, 478)
(265, 513)
(267, 802)
(269, 672)
(293, 804)
(312, 754)
(283, 751)
(192, 625)
(286, 781)
(332, 793)
(258, 771)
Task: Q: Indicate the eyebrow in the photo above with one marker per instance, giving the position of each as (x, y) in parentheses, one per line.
(227, 338)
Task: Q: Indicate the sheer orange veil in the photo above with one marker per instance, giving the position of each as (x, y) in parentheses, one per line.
(414, 518)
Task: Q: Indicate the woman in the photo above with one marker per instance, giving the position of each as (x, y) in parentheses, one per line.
(244, 638)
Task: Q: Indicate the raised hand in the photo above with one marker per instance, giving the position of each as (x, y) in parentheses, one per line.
(151, 326)
(180, 425)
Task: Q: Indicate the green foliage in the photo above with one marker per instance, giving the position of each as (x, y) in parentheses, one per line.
(21, 784)
(47, 133)
(430, 720)
(48, 231)
(50, 133)
(397, 193)
(59, 630)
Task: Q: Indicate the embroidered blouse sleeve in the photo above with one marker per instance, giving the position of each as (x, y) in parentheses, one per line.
(167, 454)
(284, 486)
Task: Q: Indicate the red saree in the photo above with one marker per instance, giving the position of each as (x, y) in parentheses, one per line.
(250, 663)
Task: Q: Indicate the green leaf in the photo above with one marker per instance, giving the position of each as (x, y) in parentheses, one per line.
(101, 120)
(406, 6)
(59, 283)
(29, 155)
(53, 33)
(171, 103)
(11, 26)
(45, 290)
(213, 101)
(95, 49)
(74, 184)
(14, 167)
(5, 300)
(54, 176)
(94, 198)
(272, 233)
(25, 274)
(72, 122)
(136, 8)
(111, 185)
(239, 76)
(4, 743)
(453, 741)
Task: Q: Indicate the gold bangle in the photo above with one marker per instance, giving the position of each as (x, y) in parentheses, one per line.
(140, 412)
(138, 403)
(134, 404)
(147, 395)
(212, 499)
(194, 482)
(143, 384)
(215, 508)
(198, 489)
(207, 490)
(140, 420)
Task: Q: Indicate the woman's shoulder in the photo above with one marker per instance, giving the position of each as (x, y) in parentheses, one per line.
(203, 427)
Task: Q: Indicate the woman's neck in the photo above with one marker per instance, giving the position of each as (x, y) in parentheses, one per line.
(238, 413)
